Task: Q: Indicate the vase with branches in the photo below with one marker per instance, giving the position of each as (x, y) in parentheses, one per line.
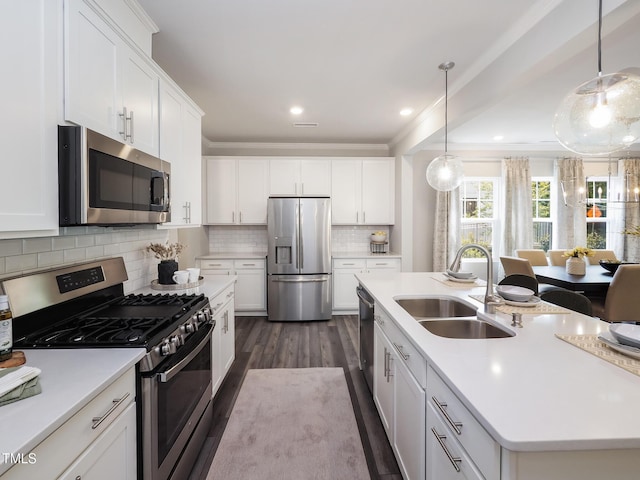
(167, 253)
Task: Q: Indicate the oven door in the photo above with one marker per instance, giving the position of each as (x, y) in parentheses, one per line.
(175, 403)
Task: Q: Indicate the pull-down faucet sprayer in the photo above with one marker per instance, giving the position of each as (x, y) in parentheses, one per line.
(490, 298)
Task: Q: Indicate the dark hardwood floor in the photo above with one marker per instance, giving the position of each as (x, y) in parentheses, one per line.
(333, 343)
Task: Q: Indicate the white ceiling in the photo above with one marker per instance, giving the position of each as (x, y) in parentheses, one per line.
(353, 64)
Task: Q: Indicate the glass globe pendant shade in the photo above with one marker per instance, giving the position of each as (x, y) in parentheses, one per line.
(445, 173)
(601, 116)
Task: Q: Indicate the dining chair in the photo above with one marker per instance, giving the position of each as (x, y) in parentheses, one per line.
(513, 265)
(566, 298)
(535, 256)
(601, 255)
(520, 280)
(621, 302)
(556, 257)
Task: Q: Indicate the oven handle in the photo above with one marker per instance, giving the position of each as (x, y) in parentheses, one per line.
(164, 377)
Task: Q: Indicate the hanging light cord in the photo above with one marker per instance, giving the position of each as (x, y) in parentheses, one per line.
(446, 107)
(600, 37)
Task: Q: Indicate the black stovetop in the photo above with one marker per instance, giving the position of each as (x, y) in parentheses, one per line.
(130, 321)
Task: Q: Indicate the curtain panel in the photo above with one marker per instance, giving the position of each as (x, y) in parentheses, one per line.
(571, 225)
(517, 230)
(624, 211)
(446, 232)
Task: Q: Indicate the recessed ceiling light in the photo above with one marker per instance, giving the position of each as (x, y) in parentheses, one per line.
(497, 138)
(296, 110)
(406, 111)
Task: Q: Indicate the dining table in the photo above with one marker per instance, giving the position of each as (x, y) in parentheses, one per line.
(595, 281)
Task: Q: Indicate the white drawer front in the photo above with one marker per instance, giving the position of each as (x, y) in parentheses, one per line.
(216, 264)
(221, 299)
(484, 451)
(391, 263)
(349, 263)
(248, 264)
(406, 351)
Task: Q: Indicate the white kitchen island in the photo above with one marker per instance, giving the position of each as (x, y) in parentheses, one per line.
(554, 410)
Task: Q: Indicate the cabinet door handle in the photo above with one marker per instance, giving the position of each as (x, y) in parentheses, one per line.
(240, 217)
(364, 217)
(123, 115)
(454, 460)
(442, 407)
(405, 356)
(131, 127)
(233, 217)
(357, 217)
(116, 403)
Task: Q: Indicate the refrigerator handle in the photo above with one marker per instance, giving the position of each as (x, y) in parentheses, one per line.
(297, 235)
(300, 238)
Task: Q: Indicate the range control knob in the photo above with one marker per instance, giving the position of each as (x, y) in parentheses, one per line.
(176, 341)
(165, 348)
(187, 328)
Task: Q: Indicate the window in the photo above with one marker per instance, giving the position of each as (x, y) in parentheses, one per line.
(542, 220)
(479, 211)
(596, 211)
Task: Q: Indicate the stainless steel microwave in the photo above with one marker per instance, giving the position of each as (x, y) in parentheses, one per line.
(105, 182)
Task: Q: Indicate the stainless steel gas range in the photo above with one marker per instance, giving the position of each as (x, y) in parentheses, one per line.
(84, 306)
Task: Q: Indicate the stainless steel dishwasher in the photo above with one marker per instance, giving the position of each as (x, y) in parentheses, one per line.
(365, 317)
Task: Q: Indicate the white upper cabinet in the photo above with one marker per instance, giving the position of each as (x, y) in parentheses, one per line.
(109, 87)
(300, 176)
(181, 145)
(236, 190)
(362, 191)
(29, 196)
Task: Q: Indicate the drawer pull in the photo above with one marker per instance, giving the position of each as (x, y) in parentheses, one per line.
(348, 264)
(230, 294)
(116, 403)
(405, 356)
(454, 460)
(248, 264)
(442, 407)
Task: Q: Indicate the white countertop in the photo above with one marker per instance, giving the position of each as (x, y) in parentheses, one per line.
(69, 378)
(531, 392)
(211, 286)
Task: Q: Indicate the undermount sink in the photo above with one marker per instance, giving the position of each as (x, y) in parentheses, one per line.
(450, 317)
(436, 307)
(464, 328)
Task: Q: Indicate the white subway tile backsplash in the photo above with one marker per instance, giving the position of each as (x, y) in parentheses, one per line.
(253, 239)
(80, 244)
(10, 247)
(63, 243)
(19, 263)
(36, 245)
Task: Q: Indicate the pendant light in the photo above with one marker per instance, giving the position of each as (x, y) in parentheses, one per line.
(602, 115)
(445, 173)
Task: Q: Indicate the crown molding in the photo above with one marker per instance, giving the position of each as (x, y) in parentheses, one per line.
(377, 147)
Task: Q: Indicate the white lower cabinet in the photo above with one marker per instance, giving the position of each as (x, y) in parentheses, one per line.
(452, 431)
(344, 278)
(398, 391)
(97, 443)
(112, 455)
(251, 287)
(223, 339)
(446, 459)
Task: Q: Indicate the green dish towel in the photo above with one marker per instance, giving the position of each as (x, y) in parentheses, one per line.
(24, 390)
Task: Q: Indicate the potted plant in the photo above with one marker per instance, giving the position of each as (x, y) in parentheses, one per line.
(575, 262)
(167, 253)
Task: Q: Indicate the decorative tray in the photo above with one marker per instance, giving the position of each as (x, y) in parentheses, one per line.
(168, 288)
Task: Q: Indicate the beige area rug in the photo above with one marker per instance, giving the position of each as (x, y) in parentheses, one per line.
(291, 423)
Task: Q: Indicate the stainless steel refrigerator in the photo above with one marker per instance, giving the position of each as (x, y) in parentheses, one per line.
(299, 258)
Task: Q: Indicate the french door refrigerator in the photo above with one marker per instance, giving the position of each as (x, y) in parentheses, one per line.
(299, 258)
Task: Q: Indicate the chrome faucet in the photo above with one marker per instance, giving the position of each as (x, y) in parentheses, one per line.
(490, 298)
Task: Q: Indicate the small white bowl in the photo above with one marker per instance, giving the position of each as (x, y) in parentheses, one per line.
(626, 333)
(378, 238)
(514, 293)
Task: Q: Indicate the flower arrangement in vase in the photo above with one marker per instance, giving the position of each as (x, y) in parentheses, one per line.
(575, 260)
(167, 253)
